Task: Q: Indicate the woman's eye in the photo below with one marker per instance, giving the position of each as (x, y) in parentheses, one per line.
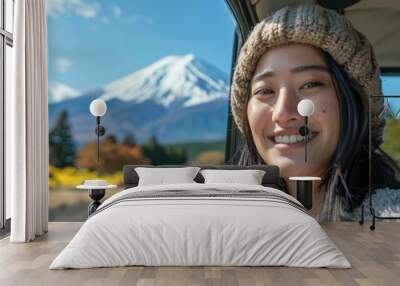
(263, 92)
(312, 84)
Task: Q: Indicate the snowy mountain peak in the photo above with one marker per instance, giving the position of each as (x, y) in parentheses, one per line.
(59, 92)
(184, 80)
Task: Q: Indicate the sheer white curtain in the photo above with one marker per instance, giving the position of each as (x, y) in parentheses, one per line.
(27, 124)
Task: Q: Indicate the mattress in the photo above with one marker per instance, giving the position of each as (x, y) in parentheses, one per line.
(201, 225)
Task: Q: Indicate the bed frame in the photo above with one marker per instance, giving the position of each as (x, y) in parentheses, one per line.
(271, 178)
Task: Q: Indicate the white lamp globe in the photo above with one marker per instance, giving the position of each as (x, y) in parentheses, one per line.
(305, 107)
(98, 107)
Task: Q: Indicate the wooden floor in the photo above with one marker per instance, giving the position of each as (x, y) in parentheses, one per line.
(374, 255)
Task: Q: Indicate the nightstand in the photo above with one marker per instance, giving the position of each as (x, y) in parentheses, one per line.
(304, 186)
(96, 193)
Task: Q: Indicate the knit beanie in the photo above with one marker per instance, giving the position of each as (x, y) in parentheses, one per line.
(322, 28)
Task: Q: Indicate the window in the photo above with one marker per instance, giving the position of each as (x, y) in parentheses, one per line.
(391, 91)
(6, 43)
(391, 84)
(389, 204)
(163, 69)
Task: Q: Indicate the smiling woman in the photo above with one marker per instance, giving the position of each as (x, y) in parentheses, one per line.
(295, 72)
(309, 52)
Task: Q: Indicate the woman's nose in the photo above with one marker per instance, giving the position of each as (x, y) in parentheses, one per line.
(285, 108)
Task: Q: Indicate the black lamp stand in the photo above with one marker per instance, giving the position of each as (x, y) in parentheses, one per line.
(304, 131)
(304, 192)
(96, 195)
(100, 131)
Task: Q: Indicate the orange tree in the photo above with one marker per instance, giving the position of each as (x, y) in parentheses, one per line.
(112, 156)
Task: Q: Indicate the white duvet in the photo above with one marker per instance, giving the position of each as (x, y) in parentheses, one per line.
(183, 231)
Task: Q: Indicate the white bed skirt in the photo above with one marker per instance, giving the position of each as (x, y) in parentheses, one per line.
(200, 232)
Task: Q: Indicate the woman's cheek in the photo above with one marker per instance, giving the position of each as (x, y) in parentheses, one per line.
(327, 121)
(258, 115)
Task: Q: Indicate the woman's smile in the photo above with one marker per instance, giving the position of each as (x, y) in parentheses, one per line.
(289, 142)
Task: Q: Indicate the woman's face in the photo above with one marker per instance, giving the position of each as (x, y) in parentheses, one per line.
(283, 77)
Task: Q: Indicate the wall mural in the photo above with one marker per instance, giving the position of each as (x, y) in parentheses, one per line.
(167, 95)
(165, 85)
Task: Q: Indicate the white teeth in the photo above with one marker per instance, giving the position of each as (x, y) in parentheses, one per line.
(290, 139)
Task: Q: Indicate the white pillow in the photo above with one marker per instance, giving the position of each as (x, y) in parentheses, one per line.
(249, 177)
(162, 176)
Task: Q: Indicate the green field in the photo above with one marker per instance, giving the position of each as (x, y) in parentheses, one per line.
(69, 204)
(391, 144)
(193, 149)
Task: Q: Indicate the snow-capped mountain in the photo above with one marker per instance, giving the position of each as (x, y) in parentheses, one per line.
(174, 79)
(59, 92)
(169, 99)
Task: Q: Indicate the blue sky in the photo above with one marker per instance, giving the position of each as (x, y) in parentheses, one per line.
(92, 43)
(391, 86)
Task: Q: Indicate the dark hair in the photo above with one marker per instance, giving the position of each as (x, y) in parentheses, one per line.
(352, 151)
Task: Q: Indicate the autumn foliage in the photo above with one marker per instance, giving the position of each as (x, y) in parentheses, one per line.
(212, 157)
(112, 156)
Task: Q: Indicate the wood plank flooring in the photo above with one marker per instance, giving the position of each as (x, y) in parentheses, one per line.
(374, 255)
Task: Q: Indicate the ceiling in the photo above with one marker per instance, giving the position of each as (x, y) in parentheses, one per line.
(379, 20)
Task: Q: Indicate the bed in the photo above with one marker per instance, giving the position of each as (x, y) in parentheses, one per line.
(201, 224)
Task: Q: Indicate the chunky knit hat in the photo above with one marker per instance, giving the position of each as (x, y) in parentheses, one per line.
(319, 27)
